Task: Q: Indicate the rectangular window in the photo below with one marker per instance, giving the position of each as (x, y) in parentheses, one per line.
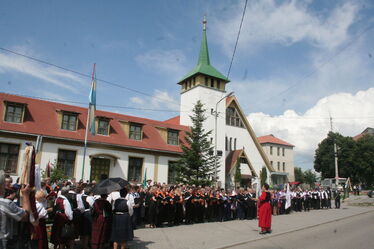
(226, 144)
(103, 127)
(9, 157)
(271, 150)
(66, 162)
(172, 172)
(284, 166)
(234, 143)
(278, 150)
(211, 82)
(282, 151)
(69, 121)
(218, 84)
(172, 137)
(135, 132)
(230, 143)
(14, 112)
(271, 163)
(135, 169)
(206, 81)
(278, 164)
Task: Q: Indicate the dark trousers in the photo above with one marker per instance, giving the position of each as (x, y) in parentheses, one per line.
(337, 203)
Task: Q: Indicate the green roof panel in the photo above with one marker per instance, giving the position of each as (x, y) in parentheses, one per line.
(203, 64)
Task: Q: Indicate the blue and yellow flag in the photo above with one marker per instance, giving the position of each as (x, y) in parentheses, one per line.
(92, 106)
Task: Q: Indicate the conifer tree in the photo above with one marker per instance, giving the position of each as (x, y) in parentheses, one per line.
(197, 163)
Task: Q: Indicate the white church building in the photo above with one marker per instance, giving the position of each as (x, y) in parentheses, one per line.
(128, 146)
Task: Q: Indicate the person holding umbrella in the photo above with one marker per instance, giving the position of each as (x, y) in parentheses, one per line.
(102, 211)
(122, 230)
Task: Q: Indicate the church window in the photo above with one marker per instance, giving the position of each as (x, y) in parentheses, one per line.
(230, 143)
(282, 151)
(226, 144)
(206, 81)
(284, 166)
(211, 82)
(271, 150)
(234, 143)
(278, 164)
(233, 117)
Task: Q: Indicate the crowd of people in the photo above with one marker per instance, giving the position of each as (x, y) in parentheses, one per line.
(101, 221)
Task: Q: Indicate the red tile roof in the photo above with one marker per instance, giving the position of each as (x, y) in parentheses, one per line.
(367, 131)
(41, 119)
(231, 159)
(175, 120)
(270, 139)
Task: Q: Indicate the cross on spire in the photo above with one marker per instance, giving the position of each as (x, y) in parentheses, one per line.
(204, 23)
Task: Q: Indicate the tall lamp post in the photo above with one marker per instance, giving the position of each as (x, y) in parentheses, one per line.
(215, 113)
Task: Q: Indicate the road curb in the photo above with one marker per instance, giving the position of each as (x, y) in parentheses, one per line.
(288, 231)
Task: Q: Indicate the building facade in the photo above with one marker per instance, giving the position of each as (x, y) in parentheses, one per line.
(127, 146)
(280, 154)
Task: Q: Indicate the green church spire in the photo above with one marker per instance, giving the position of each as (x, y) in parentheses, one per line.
(203, 64)
(204, 52)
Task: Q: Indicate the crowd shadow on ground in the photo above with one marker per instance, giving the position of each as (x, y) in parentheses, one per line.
(139, 244)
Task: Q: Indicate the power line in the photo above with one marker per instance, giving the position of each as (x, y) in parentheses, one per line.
(85, 75)
(237, 39)
(83, 103)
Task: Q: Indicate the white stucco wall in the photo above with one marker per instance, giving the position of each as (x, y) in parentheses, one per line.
(118, 165)
(288, 158)
(244, 140)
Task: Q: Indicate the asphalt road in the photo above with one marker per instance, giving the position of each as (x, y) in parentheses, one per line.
(355, 232)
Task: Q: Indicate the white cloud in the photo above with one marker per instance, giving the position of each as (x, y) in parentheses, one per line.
(351, 113)
(164, 61)
(137, 100)
(10, 63)
(286, 23)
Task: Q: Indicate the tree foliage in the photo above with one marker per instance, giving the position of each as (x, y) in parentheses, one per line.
(263, 176)
(308, 176)
(197, 163)
(355, 158)
(238, 174)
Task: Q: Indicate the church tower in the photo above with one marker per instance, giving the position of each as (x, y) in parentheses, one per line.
(207, 84)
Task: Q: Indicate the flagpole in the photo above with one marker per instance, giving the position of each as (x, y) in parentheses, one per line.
(87, 123)
(85, 143)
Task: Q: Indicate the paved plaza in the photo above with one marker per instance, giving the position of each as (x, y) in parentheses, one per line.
(240, 234)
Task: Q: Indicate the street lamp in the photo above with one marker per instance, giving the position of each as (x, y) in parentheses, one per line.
(215, 134)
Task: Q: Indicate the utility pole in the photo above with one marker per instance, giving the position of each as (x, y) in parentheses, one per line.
(336, 158)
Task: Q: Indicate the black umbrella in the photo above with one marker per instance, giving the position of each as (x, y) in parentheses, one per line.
(109, 185)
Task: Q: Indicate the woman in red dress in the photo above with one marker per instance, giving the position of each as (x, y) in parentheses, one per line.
(264, 220)
(101, 223)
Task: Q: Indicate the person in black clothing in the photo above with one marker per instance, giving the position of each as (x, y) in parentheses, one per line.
(121, 226)
(337, 199)
(152, 207)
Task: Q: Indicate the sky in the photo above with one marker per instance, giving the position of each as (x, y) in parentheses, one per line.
(297, 62)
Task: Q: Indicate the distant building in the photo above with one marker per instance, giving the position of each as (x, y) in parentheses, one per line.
(367, 131)
(280, 154)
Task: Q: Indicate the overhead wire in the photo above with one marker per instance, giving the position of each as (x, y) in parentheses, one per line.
(86, 75)
(237, 39)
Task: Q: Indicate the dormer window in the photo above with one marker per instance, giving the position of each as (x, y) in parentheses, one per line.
(135, 131)
(103, 126)
(14, 112)
(69, 121)
(172, 137)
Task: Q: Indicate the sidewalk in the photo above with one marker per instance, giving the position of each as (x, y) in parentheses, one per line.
(218, 235)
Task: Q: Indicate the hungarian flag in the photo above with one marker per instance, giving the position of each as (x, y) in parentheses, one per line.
(92, 105)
